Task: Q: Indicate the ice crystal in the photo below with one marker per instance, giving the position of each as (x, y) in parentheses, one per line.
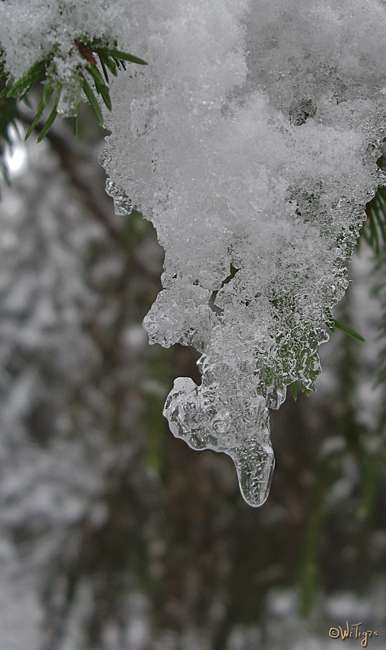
(250, 141)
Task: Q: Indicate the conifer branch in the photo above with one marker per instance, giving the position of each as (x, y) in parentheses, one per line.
(67, 90)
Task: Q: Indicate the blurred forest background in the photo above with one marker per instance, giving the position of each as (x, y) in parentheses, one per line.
(113, 534)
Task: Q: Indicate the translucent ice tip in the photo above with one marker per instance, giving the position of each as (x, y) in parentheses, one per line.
(193, 420)
(254, 465)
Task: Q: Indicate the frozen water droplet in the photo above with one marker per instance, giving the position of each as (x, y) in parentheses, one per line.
(70, 99)
(254, 465)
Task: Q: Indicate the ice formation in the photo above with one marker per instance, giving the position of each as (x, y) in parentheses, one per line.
(250, 141)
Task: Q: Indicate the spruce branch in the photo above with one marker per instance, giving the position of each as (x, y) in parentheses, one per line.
(374, 229)
(65, 78)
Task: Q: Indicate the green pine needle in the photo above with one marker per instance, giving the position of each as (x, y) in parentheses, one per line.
(104, 68)
(51, 118)
(346, 330)
(23, 85)
(100, 85)
(92, 100)
(124, 56)
(96, 75)
(39, 111)
(47, 92)
(109, 63)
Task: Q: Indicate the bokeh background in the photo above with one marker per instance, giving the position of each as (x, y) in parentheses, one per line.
(113, 534)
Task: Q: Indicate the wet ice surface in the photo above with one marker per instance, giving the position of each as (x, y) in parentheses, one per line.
(194, 415)
(250, 142)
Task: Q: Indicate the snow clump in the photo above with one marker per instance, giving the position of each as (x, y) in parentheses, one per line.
(250, 141)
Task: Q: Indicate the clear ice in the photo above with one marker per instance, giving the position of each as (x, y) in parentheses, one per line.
(250, 141)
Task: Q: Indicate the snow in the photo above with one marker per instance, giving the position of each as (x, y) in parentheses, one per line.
(20, 615)
(250, 142)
